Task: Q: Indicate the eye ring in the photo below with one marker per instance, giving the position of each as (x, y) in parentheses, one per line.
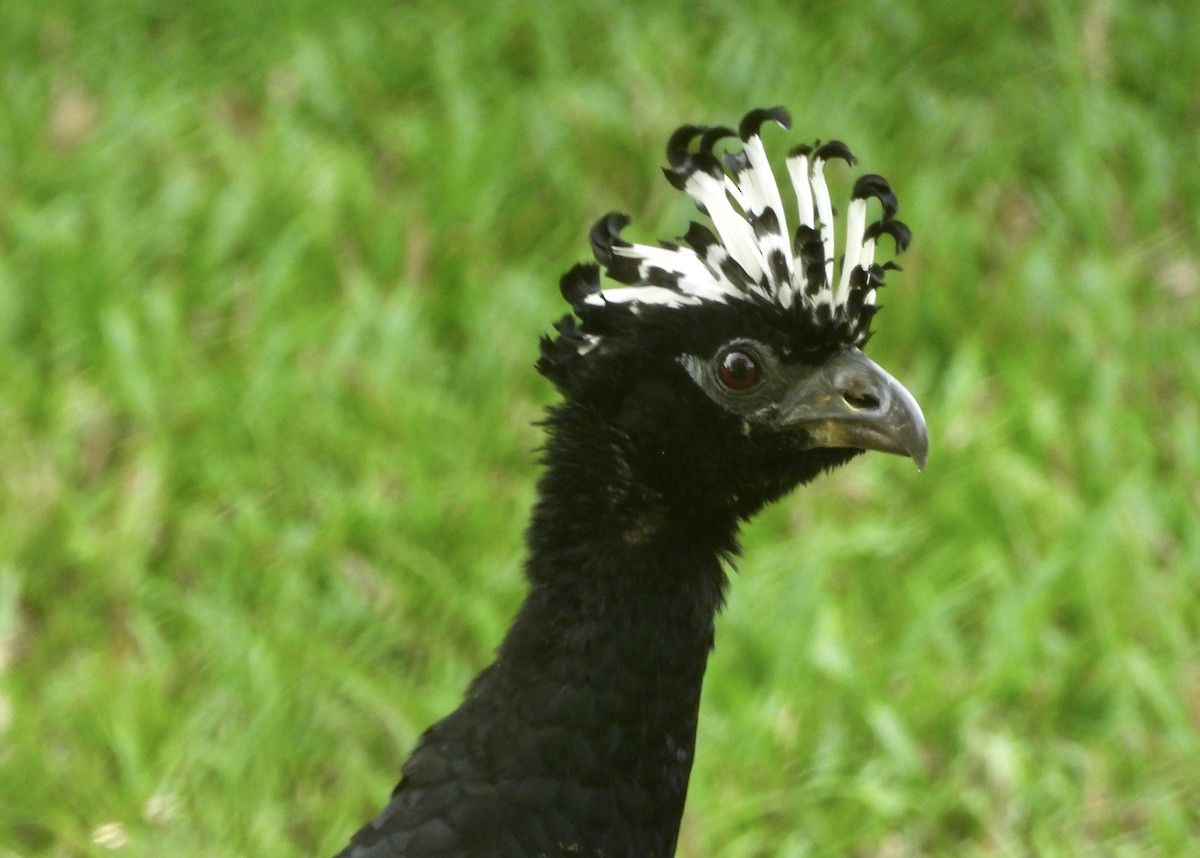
(738, 371)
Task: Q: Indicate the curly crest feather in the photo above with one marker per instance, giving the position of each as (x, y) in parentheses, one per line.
(751, 255)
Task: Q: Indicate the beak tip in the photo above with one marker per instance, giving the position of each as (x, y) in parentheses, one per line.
(919, 452)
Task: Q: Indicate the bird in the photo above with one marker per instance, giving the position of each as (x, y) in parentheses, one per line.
(700, 379)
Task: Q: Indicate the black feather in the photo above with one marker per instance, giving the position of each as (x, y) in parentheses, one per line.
(835, 149)
(752, 121)
(899, 232)
(871, 185)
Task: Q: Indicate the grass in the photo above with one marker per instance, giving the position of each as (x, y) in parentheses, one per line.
(271, 279)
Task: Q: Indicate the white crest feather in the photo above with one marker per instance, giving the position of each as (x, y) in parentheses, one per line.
(751, 255)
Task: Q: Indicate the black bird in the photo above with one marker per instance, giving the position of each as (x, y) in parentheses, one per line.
(713, 377)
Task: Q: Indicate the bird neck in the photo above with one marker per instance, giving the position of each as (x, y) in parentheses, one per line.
(607, 653)
(605, 542)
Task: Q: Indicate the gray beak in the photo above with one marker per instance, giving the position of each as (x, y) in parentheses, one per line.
(851, 401)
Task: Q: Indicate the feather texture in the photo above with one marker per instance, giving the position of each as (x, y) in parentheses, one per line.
(747, 253)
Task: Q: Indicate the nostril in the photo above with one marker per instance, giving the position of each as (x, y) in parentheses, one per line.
(860, 401)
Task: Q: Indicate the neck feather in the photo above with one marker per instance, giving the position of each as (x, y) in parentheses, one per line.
(610, 646)
(579, 738)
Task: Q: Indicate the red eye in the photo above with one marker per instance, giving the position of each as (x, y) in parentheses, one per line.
(738, 371)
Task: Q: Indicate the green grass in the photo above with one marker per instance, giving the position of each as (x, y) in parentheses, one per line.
(271, 278)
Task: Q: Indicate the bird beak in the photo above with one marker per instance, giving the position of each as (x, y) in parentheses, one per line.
(851, 401)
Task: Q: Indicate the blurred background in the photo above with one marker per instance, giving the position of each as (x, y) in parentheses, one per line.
(271, 282)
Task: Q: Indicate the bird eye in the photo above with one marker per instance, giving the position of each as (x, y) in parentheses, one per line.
(738, 371)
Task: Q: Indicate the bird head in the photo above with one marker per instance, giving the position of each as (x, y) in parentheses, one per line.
(729, 364)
